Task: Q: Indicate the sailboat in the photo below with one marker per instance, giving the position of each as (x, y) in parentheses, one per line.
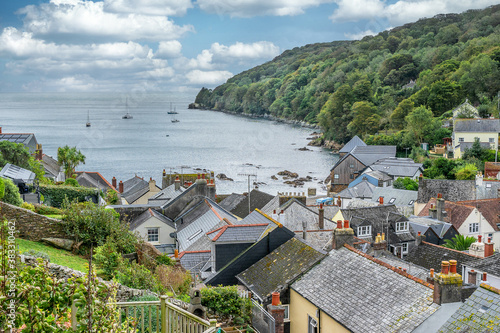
(127, 115)
(172, 112)
(88, 119)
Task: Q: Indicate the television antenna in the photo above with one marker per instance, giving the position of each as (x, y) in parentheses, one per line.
(248, 175)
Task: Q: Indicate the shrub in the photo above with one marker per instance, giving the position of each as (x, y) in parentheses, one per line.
(174, 278)
(37, 254)
(55, 195)
(71, 182)
(47, 210)
(111, 197)
(2, 188)
(136, 276)
(226, 303)
(164, 259)
(11, 195)
(28, 206)
(108, 259)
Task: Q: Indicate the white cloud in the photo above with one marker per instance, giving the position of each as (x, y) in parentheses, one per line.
(169, 49)
(87, 18)
(149, 7)
(249, 8)
(360, 35)
(402, 11)
(208, 77)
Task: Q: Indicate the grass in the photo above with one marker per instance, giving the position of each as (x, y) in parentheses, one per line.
(55, 216)
(57, 256)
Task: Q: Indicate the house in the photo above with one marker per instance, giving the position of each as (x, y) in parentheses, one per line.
(27, 139)
(465, 110)
(466, 131)
(168, 193)
(18, 175)
(350, 166)
(435, 231)
(404, 200)
(397, 167)
(492, 170)
(238, 203)
(470, 218)
(156, 229)
(52, 168)
(94, 180)
(484, 268)
(479, 313)
(193, 261)
(136, 190)
(368, 222)
(362, 190)
(354, 142)
(375, 177)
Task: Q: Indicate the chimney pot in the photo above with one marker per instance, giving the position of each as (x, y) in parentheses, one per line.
(0, 130)
(320, 206)
(381, 200)
(432, 273)
(176, 253)
(383, 236)
(120, 187)
(453, 266)
(113, 182)
(199, 176)
(274, 211)
(439, 196)
(275, 299)
(445, 266)
(479, 238)
(339, 224)
(485, 277)
(419, 233)
(164, 173)
(346, 224)
(202, 176)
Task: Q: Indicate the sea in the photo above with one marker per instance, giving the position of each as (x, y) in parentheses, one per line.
(248, 150)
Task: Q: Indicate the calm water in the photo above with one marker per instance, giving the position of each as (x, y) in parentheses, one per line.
(150, 142)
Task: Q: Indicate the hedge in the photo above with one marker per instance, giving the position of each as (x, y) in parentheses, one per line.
(54, 195)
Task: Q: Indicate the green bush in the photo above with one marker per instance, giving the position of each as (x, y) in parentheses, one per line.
(136, 276)
(164, 259)
(226, 303)
(111, 197)
(27, 205)
(55, 195)
(47, 210)
(11, 194)
(71, 182)
(108, 259)
(37, 254)
(2, 188)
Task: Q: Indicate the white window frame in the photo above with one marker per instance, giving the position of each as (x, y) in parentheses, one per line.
(491, 140)
(336, 176)
(365, 230)
(461, 140)
(287, 312)
(402, 226)
(157, 234)
(474, 228)
(404, 248)
(312, 325)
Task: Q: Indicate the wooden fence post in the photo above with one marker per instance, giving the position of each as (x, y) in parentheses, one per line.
(73, 315)
(163, 311)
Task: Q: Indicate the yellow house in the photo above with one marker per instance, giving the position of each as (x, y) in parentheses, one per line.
(137, 191)
(350, 291)
(466, 131)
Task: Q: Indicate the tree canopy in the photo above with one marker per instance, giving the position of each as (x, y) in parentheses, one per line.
(69, 158)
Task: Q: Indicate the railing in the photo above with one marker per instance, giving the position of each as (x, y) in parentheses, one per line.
(160, 317)
(262, 321)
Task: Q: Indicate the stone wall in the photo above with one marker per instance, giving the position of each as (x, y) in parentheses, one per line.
(30, 225)
(123, 294)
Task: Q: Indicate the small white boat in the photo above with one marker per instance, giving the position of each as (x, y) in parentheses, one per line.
(127, 115)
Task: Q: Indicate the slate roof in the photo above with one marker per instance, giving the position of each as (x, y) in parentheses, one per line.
(27, 139)
(397, 167)
(379, 175)
(165, 195)
(422, 224)
(456, 190)
(412, 269)
(280, 268)
(490, 265)
(366, 295)
(200, 209)
(148, 213)
(93, 179)
(204, 243)
(134, 188)
(489, 208)
(354, 142)
(394, 196)
(238, 233)
(13, 172)
(468, 145)
(479, 313)
(367, 155)
(194, 261)
(258, 200)
(50, 165)
(318, 239)
(256, 217)
(233, 200)
(430, 256)
(363, 189)
(477, 125)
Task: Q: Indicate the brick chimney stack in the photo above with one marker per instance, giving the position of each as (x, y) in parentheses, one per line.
(380, 244)
(440, 207)
(277, 311)
(488, 248)
(120, 186)
(419, 239)
(481, 249)
(39, 152)
(448, 284)
(113, 182)
(321, 217)
(177, 183)
(342, 235)
(472, 279)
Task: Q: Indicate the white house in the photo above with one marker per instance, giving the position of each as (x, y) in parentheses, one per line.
(156, 229)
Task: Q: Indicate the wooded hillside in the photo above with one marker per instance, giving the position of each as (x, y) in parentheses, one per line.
(359, 87)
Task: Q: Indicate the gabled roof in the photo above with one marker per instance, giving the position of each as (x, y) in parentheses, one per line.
(465, 109)
(489, 208)
(165, 195)
(281, 267)
(258, 200)
(134, 188)
(367, 155)
(477, 125)
(50, 165)
(364, 294)
(430, 256)
(490, 265)
(233, 200)
(456, 213)
(13, 172)
(396, 166)
(363, 189)
(238, 233)
(394, 196)
(194, 261)
(23, 138)
(379, 175)
(257, 217)
(354, 142)
(423, 223)
(479, 313)
(204, 243)
(149, 213)
(93, 179)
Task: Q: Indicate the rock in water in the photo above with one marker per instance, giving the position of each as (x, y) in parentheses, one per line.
(61, 243)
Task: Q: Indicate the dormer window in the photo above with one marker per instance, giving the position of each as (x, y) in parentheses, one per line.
(402, 226)
(365, 230)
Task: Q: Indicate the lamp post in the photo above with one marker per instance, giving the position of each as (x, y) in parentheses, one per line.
(406, 153)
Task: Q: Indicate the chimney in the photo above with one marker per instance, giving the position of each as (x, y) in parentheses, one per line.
(152, 185)
(120, 187)
(321, 217)
(38, 152)
(201, 186)
(211, 189)
(485, 280)
(419, 239)
(164, 173)
(479, 179)
(277, 311)
(440, 207)
(433, 211)
(472, 277)
(304, 230)
(0, 130)
(339, 202)
(488, 248)
(380, 245)
(177, 183)
(381, 200)
(342, 236)
(274, 216)
(113, 182)
(448, 284)
(478, 248)
(282, 217)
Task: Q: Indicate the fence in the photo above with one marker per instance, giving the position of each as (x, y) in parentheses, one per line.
(262, 321)
(160, 317)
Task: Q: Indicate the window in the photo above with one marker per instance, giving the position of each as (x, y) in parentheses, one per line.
(153, 234)
(474, 228)
(461, 140)
(365, 230)
(287, 311)
(401, 226)
(351, 166)
(352, 176)
(492, 140)
(312, 326)
(336, 176)
(404, 247)
(411, 202)
(392, 200)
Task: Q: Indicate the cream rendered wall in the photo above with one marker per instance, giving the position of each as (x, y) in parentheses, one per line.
(164, 231)
(484, 228)
(300, 309)
(470, 137)
(144, 199)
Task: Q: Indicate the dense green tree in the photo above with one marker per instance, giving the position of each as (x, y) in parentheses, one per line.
(421, 124)
(440, 168)
(467, 172)
(399, 114)
(11, 193)
(69, 158)
(365, 119)
(405, 184)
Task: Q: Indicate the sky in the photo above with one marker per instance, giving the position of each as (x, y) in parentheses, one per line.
(177, 45)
